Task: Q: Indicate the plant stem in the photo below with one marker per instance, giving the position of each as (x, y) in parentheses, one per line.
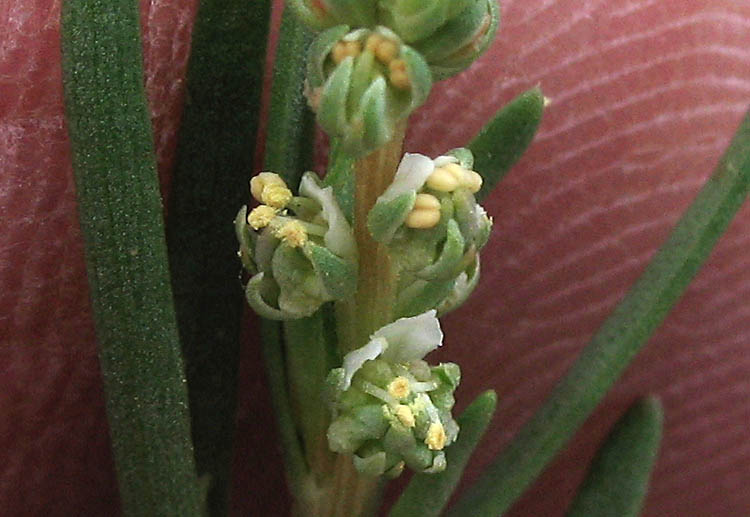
(345, 492)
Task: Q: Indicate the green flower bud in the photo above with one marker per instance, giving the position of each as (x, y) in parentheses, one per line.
(458, 42)
(300, 250)
(322, 14)
(434, 229)
(390, 408)
(361, 83)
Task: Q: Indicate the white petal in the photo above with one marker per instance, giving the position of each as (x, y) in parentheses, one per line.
(339, 237)
(411, 338)
(411, 174)
(354, 360)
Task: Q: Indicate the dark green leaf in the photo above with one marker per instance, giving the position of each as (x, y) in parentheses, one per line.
(620, 337)
(617, 482)
(214, 161)
(121, 217)
(427, 494)
(290, 123)
(504, 139)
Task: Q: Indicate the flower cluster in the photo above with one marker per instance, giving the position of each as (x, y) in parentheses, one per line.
(362, 82)
(300, 249)
(391, 409)
(434, 229)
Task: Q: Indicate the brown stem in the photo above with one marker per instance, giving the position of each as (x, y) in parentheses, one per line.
(345, 492)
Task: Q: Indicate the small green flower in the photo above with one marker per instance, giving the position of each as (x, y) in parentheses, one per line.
(434, 230)
(300, 250)
(361, 83)
(390, 407)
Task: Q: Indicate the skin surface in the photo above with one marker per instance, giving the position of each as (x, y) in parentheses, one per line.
(645, 96)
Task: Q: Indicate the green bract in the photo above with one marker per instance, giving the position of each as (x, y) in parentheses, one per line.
(361, 83)
(390, 408)
(450, 34)
(301, 256)
(435, 256)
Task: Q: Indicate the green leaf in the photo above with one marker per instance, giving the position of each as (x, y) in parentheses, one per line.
(617, 481)
(120, 213)
(214, 157)
(291, 124)
(310, 355)
(501, 142)
(619, 339)
(427, 494)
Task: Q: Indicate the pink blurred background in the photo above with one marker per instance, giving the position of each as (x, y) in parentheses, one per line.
(645, 96)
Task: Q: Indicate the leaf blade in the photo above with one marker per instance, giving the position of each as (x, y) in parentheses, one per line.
(215, 152)
(617, 481)
(503, 140)
(121, 217)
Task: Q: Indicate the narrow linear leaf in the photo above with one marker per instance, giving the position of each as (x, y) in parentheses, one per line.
(121, 217)
(620, 338)
(504, 139)
(427, 494)
(291, 124)
(309, 358)
(288, 151)
(617, 482)
(214, 160)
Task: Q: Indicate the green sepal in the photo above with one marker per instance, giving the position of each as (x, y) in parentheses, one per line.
(461, 40)
(420, 75)
(339, 276)
(376, 130)
(387, 217)
(332, 111)
(318, 54)
(465, 284)
(504, 139)
(301, 291)
(450, 257)
(464, 156)
(422, 296)
(244, 237)
(254, 294)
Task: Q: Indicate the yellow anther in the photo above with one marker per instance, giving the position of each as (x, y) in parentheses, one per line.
(399, 74)
(426, 212)
(277, 196)
(261, 216)
(405, 416)
(435, 439)
(373, 41)
(399, 387)
(344, 49)
(292, 233)
(442, 180)
(259, 183)
(426, 202)
(384, 49)
(472, 181)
